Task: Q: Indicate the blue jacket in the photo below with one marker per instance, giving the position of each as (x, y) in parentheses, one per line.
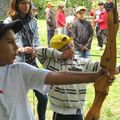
(19, 41)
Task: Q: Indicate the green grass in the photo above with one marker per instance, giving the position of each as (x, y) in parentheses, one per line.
(111, 106)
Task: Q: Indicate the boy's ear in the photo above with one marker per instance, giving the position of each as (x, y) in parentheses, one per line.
(64, 39)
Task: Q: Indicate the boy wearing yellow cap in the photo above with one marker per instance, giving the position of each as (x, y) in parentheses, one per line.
(65, 100)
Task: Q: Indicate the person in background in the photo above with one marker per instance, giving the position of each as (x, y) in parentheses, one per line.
(27, 40)
(69, 22)
(51, 23)
(102, 32)
(66, 101)
(46, 9)
(82, 33)
(108, 5)
(16, 79)
(60, 19)
(97, 15)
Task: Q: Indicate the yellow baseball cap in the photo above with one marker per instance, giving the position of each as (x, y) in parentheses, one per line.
(59, 40)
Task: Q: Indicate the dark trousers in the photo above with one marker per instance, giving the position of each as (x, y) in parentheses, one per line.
(42, 104)
(99, 39)
(57, 116)
(50, 34)
(102, 37)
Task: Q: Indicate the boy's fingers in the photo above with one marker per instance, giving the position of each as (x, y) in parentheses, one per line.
(111, 77)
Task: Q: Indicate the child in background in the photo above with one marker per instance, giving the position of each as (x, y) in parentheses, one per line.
(82, 33)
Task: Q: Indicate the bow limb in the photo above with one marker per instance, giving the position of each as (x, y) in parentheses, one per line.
(108, 61)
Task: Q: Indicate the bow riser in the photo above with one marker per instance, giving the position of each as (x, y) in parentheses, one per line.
(109, 56)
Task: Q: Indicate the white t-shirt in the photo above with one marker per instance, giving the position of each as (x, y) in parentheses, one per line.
(15, 82)
(98, 12)
(46, 10)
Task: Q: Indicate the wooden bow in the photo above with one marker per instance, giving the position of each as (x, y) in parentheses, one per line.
(108, 61)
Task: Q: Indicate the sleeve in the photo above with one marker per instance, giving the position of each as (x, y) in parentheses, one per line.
(90, 66)
(47, 53)
(75, 36)
(118, 68)
(93, 66)
(34, 78)
(8, 20)
(103, 17)
(88, 45)
(36, 37)
(49, 18)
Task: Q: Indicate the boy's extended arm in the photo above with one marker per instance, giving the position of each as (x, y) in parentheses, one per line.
(45, 53)
(59, 78)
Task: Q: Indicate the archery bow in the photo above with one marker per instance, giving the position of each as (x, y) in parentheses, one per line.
(108, 61)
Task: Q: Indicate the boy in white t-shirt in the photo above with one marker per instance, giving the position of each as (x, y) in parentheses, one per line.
(18, 78)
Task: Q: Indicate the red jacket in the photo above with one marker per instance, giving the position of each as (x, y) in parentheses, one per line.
(102, 21)
(60, 18)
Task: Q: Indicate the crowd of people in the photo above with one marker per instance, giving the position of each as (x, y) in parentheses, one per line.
(100, 19)
(66, 61)
(78, 27)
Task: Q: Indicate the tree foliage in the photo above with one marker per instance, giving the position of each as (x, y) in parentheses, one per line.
(76, 3)
(41, 4)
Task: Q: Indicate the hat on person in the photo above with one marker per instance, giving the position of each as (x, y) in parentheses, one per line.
(80, 8)
(15, 25)
(100, 3)
(50, 4)
(62, 4)
(59, 40)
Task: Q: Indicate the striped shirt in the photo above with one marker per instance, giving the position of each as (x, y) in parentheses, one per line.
(66, 99)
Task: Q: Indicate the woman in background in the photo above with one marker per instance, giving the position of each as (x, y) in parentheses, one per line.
(60, 19)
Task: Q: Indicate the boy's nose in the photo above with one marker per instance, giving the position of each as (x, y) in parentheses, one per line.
(71, 48)
(15, 47)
